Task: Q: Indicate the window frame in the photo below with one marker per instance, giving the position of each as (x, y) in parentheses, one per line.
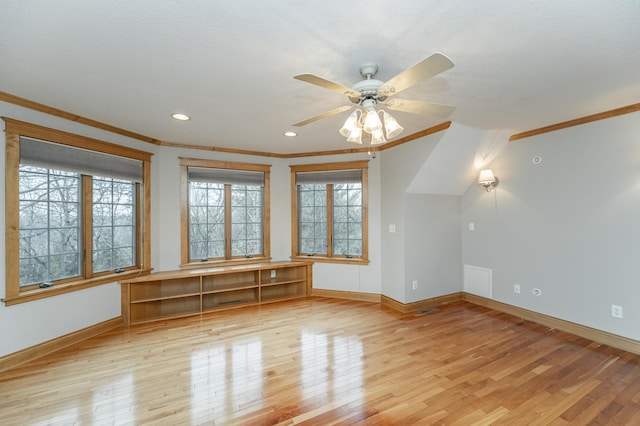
(362, 165)
(15, 294)
(185, 163)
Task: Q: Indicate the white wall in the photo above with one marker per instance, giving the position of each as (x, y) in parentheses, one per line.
(399, 166)
(568, 226)
(31, 323)
(433, 252)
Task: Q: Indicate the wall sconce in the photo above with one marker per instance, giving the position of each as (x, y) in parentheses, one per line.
(488, 180)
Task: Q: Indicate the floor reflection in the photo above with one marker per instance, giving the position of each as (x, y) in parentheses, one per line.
(335, 360)
(113, 400)
(226, 379)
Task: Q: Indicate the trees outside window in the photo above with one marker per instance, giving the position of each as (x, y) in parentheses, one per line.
(50, 228)
(76, 211)
(329, 203)
(225, 211)
(114, 224)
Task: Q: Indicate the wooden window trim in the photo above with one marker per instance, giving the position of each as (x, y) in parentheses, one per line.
(346, 165)
(185, 262)
(14, 129)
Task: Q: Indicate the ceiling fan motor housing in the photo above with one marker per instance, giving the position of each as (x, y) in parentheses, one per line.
(368, 88)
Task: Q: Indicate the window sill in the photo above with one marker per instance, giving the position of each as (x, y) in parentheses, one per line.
(217, 263)
(42, 293)
(337, 260)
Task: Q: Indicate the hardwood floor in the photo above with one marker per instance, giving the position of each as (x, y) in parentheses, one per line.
(328, 361)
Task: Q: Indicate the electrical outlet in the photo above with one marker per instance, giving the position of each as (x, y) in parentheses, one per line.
(516, 288)
(616, 311)
(536, 292)
(273, 273)
(415, 285)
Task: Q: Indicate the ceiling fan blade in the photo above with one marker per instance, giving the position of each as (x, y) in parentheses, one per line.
(319, 81)
(429, 67)
(418, 107)
(324, 115)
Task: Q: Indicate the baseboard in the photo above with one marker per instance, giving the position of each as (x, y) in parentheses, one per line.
(45, 348)
(596, 335)
(421, 304)
(351, 295)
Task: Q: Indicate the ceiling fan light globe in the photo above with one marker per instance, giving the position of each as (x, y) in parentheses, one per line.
(392, 133)
(355, 136)
(377, 137)
(372, 122)
(350, 123)
(391, 125)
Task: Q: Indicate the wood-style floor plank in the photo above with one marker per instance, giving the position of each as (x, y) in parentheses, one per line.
(328, 362)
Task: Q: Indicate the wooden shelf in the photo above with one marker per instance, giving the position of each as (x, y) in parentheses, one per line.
(278, 282)
(177, 296)
(228, 287)
(172, 294)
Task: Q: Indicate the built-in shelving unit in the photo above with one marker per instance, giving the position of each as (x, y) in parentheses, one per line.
(172, 294)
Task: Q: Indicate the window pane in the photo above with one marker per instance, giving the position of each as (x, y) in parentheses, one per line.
(347, 219)
(63, 241)
(124, 193)
(49, 206)
(197, 233)
(33, 186)
(62, 186)
(123, 214)
(215, 232)
(246, 218)
(102, 260)
(33, 270)
(206, 220)
(63, 266)
(113, 224)
(216, 249)
(34, 242)
(34, 215)
(102, 215)
(123, 236)
(198, 250)
(312, 217)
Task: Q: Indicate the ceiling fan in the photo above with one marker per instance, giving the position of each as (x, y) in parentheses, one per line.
(371, 92)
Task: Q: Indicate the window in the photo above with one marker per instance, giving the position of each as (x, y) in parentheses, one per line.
(114, 224)
(225, 215)
(329, 204)
(76, 212)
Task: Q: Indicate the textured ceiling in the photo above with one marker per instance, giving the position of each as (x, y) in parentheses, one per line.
(519, 65)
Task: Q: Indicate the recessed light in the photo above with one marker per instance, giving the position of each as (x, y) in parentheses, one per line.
(290, 134)
(181, 117)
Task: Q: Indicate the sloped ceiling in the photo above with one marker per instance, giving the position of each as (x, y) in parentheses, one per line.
(454, 163)
(519, 65)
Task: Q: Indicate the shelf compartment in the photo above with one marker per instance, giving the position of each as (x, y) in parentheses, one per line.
(224, 282)
(165, 308)
(283, 275)
(282, 291)
(230, 298)
(164, 289)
